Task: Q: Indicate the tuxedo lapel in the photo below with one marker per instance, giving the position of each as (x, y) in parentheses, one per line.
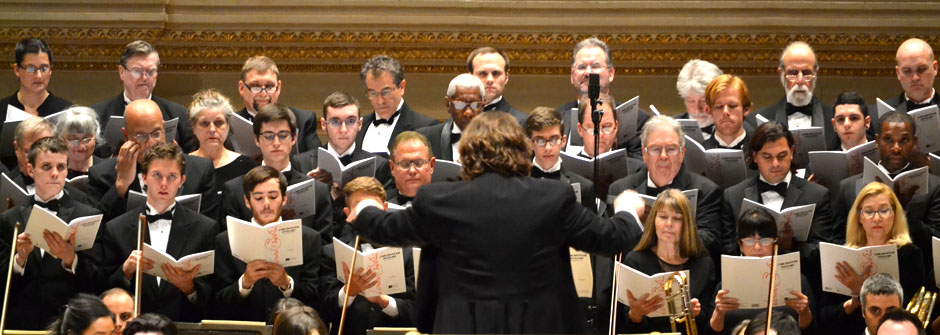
(794, 190)
(781, 112)
(446, 150)
(817, 116)
(750, 192)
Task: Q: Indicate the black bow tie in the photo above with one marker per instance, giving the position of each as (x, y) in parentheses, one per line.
(168, 215)
(346, 159)
(708, 129)
(388, 121)
(780, 188)
(806, 110)
(538, 173)
(52, 205)
(402, 200)
(490, 107)
(654, 191)
(914, 106)
(454, 138)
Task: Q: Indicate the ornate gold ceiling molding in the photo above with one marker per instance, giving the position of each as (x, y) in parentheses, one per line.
(445, 52)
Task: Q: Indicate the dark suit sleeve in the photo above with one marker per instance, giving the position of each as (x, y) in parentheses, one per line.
(232, 203)
(323, 219)
(708, 216)
(210, 196)
(822, 219)
(729, 226)
(592, 233)
(309, 139)
(227, 298)
(102, 188)
(112, 257)
(397, 228)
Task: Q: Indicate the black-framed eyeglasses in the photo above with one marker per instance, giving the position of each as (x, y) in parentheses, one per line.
(337, 122)
(281, 135)
(32, 69)
(270, 89)
(417, 163)
(143, 137)
(870, 213)
(541, 142)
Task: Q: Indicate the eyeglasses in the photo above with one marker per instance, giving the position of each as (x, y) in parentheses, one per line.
(670, 150)
(32, 69)
(281, 135)
(595, 66)
(750, 241)
(216, 123)
(137, 73)
(76, 142)
(793, 75)
(172, 177)
(607, 130)
(143, 137)
(384, 93)
(541, 142)
(270, 89)
(870, 213)
(417, 163)
(461, 105)
(337, 122)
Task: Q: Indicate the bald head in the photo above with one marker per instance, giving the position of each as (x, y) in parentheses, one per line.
(916, 69)
(143, 124)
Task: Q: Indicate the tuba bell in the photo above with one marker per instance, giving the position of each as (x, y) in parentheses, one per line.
(679, 302)
(921, 305)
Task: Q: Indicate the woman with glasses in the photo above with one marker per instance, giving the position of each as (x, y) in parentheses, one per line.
(757, 232)
(670, 243)
(78, 128)
(210, 113)
(33, 69)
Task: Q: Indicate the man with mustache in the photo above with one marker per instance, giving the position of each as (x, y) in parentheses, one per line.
(798, 71)
(593, 56)
(491, 65)
(260, 84)
(916, 70)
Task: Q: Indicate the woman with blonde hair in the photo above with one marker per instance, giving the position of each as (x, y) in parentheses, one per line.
(210, 113)
(670, 243)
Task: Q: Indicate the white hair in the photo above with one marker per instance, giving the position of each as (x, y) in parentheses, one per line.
(695, 76)
(663, 122)
(794, 45)
(465, 80)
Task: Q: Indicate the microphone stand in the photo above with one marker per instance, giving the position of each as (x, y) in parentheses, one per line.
(352, 268)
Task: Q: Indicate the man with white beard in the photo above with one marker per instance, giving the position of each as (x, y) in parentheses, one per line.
(799, 108)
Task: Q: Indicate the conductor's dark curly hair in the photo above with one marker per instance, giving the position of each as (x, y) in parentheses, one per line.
(494, 142)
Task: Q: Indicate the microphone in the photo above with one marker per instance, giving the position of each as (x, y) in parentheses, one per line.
(594, 92)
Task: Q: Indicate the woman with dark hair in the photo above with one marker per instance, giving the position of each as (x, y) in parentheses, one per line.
(501, 264)
(84, 315)
(33, 69)
(670, 243)
(757, 232)
(150, 324)
(299, 320)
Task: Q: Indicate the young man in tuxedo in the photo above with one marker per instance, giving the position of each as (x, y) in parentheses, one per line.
(275, 131)
(544, 128)
(260, 84)
(43, 280)
(110, 180)
(384, 80)
(364, 313)
(249, 291)
(175, 230)
(491, 65)
(464, 101)
(412, 165)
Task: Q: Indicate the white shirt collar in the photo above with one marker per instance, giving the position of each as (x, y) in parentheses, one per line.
(56, 197)
(153, 211)
(932, 92)
(899, 170)
(785, 179)
(455, 129)
(259, 225)
(128, 100)
(554, 168)
(733, 143)
(332, 150)
(285, 170)
(650, 183)
(495, 101)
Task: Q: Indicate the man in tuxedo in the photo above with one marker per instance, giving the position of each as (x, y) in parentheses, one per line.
(249, 291)
(140, 65)
(916, 70)
(897, 145)
(464, 101)
(364, 312)
(799, 108)
(664, 146)
(260, 84)
(121, 304)
(593, 56)
(729, 102)
(851, 120)
(110, 180)
(412, 165)
(491, 65)
(28, 132)
(43, 280)
(385, 82)
(275, 131)
(861, 315)
(544, 129)
(172, 229)
(695, 75)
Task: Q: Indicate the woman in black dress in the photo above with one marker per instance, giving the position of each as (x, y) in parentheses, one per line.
(210, 114)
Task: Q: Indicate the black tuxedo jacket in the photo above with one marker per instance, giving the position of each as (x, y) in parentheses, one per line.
(899, 103)
(75, 194)
(799, 192)
(233, 204)
(499, 265)
(708, 209)
(632, 145)
(307, 124)
(200, 179)
(504, 106)
(184, 133)
(53, 104)
(37, 296)
(258, 304)
(190, 233)
(822, 117)
(439, 136)
(408, 119)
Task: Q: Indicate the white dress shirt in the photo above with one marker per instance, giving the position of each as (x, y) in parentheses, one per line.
(377, 137)
(733, 143)
(771, 199)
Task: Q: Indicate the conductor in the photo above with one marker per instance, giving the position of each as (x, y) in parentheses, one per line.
(495, 255)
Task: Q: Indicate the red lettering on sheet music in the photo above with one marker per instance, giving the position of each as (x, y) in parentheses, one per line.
(273, 243)
(377, 269)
